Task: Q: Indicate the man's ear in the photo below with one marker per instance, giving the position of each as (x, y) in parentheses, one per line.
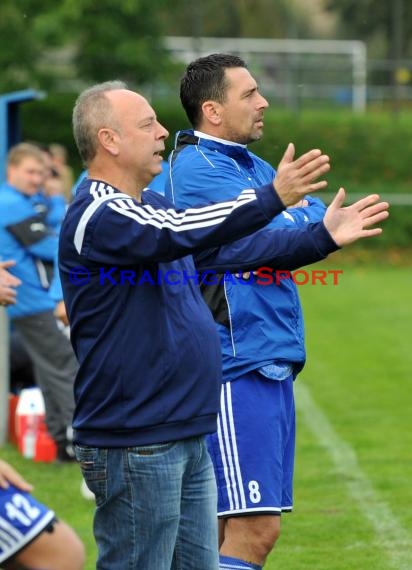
(108, 138)
(212, 112)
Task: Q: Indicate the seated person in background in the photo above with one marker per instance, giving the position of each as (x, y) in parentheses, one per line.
(31, 536)
(29, 226)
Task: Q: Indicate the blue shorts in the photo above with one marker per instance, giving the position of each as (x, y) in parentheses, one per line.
(253, 450)
(22, 519)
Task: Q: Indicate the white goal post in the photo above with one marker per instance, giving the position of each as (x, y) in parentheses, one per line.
(188, 48)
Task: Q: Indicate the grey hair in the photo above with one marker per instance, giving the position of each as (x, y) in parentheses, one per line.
(91, 112)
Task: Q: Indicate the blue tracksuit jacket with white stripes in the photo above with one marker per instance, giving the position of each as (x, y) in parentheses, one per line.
(258, 325)
(149, 354)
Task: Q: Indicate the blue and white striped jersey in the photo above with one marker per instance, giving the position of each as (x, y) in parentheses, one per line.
(22, 518)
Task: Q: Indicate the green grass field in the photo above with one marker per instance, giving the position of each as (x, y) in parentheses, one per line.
(353, 491)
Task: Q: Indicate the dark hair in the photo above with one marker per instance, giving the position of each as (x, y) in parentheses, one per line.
(204, 79)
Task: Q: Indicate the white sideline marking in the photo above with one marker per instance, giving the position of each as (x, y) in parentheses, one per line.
(391, 537)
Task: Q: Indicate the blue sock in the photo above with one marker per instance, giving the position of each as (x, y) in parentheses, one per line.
(229, 563)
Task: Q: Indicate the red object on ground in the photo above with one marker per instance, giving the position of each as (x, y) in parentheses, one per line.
(13, 401)
(45, 449)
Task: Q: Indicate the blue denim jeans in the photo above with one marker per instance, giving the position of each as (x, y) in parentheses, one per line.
(155, 506)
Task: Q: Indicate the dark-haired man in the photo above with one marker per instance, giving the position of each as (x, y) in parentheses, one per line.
(260, 327)
(29, 226)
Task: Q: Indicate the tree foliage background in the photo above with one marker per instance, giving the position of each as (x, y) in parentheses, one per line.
(48, 44)
(64, 45)
(381, 24)
(60, 45)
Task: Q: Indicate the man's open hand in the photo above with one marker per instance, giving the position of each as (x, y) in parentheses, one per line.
(350, 223)
(295, 178)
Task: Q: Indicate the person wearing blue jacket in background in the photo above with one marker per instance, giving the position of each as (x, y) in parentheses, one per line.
(147, 390)
(29, 225)
(260, 325)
